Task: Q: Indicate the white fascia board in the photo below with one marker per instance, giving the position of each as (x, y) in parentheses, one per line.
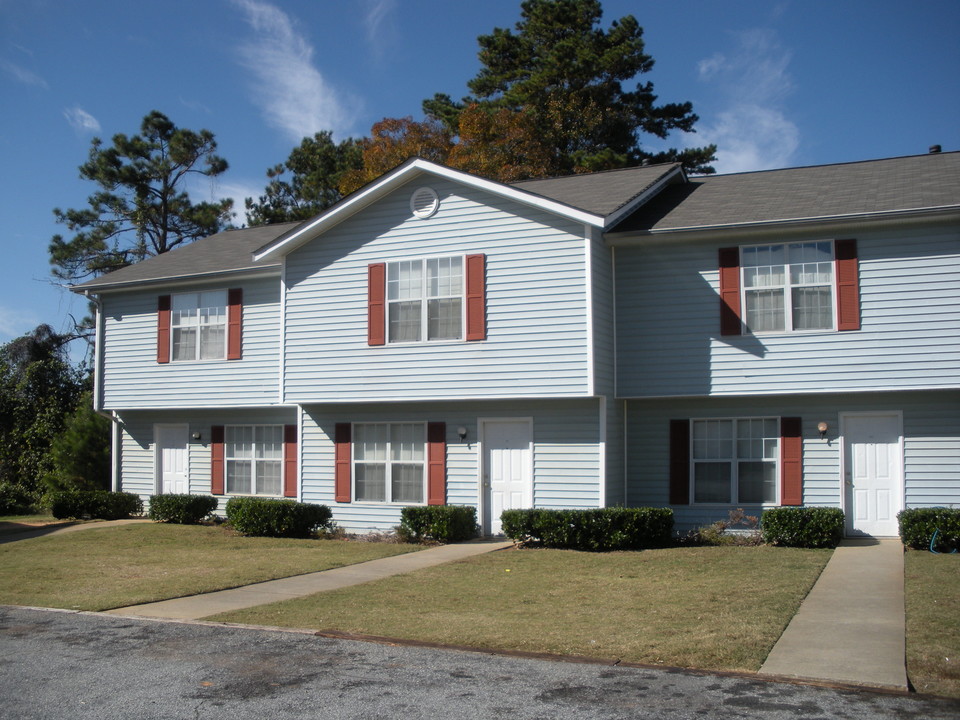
(398, 177)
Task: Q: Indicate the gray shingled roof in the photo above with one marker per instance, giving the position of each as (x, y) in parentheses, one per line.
(825, 191)
(227, 251)
(600, 193)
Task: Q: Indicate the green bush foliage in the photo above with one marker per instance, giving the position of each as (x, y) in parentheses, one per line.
(80, 455)
(181, 509)
(99, 504)
(265, 517)
(17, 500)
(917, 526)
(739, 529)
(803, 527)
(599, 530)
(440, 523)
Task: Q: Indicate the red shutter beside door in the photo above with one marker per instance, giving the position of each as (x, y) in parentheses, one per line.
(217, 468)
(163, 329)
(476, 297)
(290, 461)
(436, 463)
(730, 323)
(341, 460)
(679, 462)
(848, 285)
(234, 323)
(791, 461)
(376, 304)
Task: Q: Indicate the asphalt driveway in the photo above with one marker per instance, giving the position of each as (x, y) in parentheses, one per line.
(56, 664)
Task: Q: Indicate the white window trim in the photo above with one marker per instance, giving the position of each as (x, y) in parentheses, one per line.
(389, 463)
(788, 296)
(226, 328)
(423, 300)
(253, 469)
(734, 476)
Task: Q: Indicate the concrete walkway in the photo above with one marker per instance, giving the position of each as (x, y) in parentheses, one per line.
(851, 627)
(200, 606)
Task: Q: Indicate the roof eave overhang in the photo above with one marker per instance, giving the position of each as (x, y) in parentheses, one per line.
(271, 270)
(366, 196)
(648, 194)
(791, 226)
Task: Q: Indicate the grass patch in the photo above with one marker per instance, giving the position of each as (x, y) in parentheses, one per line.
(932, 587)
(706, 607)
(103, 568)
(32, 519)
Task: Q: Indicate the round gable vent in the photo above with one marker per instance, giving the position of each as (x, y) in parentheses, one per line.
(424, 202)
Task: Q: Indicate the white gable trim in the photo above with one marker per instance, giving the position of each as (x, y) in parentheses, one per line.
(379, 188)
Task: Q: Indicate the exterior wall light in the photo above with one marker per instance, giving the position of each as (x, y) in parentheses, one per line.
(196, 436)
(822, 428)
(462, 432)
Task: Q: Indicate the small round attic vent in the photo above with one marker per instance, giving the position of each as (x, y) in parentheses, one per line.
(424, 202)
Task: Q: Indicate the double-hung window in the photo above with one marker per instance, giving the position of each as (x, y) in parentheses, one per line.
(198, 324)
(389, 462)
(425, 300)
(735, 460)
(788, 287)
(254, 455)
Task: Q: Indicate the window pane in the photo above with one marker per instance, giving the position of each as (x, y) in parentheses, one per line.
(764, 310)
(444, 277)
(812, 308)
(406, 483)
(212, 342)
(404, 280)
(405, 321)
(370, 442)
(766, 276)
(711, 482)
(268, 477)
(270, 442)
(239, 441)
(444, 319)
(238, 477)
(184, 343)
(406, 442)
(757, 482)
(370, 482)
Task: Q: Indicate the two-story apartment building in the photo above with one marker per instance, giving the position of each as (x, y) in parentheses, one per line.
(629, 337)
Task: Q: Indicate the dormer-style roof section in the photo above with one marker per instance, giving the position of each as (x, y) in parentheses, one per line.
(227, 252)
(874, 189)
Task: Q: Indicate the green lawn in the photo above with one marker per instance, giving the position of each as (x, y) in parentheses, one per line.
(932, 586)
(102, 568)
(710, 607)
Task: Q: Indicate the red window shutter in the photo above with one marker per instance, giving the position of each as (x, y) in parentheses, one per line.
(376, 304)
(217, 466)
(234, 323)
(290, 461)
(848, 285)
(163, 329)
(791, 461)
(436, 463)
(341, 459)
(476, 297)
(730, 291)
(679, 462)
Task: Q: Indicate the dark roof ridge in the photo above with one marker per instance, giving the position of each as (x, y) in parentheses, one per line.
(825, 165)
(595, 172)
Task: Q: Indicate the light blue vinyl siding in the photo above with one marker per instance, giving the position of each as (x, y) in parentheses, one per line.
(669, 341)
(931, 446)
(132, 378)
(138, 450)
(536, 296)
(565, 454)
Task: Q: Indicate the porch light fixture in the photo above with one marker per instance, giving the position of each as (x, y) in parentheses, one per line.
(196, 436)
(822, 428)
(462, 432)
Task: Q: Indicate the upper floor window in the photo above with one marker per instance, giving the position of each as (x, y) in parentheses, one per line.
(198, 324)
(788, 287)
(425, 300)
(735, 460)
(253, 455)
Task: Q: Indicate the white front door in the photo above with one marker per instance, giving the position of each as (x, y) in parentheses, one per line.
(507, 469)
(172, 474)
(873, 492)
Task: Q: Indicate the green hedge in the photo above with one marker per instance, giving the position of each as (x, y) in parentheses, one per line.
(181, 509)
(917, 526)
(16, 500)
(599, 530)
(440, 523)
(100, 504)
(276, 518)
(803, 527)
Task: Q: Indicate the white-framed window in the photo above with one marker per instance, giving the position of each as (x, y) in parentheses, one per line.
(788, 287)
(254, 459)
(735, 460)
(425, 299)
(389, 462)
(198, 326)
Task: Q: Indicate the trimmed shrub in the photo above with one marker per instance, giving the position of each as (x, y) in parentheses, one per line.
(17, 500)
(803, 527)
(440, 523)
(181, 509)
(265, 517)
(917, 526)
(100, 504)
(599, 530)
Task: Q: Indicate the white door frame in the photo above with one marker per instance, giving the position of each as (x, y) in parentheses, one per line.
(900, 490)
(158, 454)
(481, 466)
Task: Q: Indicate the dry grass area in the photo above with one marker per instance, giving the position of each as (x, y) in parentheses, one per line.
(102, 568)
(932, 586)
(707, 607)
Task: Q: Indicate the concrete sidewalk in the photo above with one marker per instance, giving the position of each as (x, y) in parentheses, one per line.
(200, 606)
(851, 627)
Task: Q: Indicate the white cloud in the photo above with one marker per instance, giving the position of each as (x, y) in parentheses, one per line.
(15, 321)
(380, 24)
(751, 130)
(23, 75)
(290, 90)
(239, 192)
(81, 120)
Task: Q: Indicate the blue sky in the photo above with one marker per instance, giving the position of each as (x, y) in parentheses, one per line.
(776, 84)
